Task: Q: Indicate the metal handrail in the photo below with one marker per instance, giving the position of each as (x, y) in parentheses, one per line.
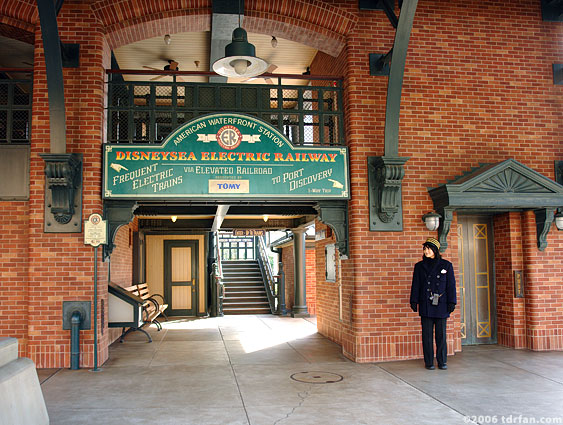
(146, 112)
(267, 274)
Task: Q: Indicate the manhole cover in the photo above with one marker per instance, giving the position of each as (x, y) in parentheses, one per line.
(317, 377)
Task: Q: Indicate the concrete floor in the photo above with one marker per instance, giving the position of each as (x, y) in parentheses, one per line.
(249, 370)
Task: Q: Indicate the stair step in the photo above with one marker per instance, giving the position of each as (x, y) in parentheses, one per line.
(246, 311)
(244, 288)
(242, 276)
(246, 304)
(244, 284)
(250, 300)
(246, 291)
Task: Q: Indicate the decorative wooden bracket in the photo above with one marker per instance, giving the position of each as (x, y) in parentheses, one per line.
(335, 214)
(445, 224)
(63, 192)
(384, 184)
(544, 218)
(117, 213)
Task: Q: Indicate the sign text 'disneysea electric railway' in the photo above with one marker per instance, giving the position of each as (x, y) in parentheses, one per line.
(225, 156)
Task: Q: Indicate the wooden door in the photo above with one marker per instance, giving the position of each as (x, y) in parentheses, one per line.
(477, 285)
(181, 277)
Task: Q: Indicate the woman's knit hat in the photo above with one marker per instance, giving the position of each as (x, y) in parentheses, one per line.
(432, 241)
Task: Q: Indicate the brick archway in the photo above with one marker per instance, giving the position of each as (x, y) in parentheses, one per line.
(311, 23)
(17, 20)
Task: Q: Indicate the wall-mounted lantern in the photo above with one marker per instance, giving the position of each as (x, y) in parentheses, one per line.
(559, 220)
(431, 220)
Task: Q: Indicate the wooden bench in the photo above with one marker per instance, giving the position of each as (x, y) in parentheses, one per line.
(153, 306)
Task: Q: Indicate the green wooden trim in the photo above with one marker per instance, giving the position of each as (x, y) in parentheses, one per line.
(544, 218)
(54, 69)
(552, 10)
(559, 172)
(117, 214)
(396, 72)
(335, 215)
(504, 186)
(385, 175)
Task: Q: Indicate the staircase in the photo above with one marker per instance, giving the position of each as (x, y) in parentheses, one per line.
(244, 288)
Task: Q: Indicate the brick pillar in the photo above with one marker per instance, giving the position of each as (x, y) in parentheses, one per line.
(61, 267)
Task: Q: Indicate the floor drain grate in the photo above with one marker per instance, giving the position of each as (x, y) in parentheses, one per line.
(317, 377)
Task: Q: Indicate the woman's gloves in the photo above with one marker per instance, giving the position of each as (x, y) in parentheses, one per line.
(414, 307)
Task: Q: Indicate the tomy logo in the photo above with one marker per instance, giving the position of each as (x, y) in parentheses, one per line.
(228, 186)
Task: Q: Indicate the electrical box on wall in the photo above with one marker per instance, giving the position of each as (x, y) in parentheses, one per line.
(330, 263)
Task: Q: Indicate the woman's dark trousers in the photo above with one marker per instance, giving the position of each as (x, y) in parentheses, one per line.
(428, 324)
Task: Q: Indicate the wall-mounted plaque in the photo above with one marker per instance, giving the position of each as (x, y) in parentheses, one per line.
(518, 284)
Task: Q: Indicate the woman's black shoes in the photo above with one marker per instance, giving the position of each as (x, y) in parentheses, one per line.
(430, 367)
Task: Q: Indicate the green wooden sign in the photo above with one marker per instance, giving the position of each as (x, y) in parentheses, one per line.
(225, 156)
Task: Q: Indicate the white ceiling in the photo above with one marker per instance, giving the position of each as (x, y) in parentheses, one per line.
(188, 47)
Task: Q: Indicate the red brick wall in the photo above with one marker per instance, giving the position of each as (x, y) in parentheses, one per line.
(543, 288)
(61, 267)
(478, 87)
(14, 262)
(289, 270)
(466, 100)
(122, 256)
(328, 313)
(511, 315)
(311, 280)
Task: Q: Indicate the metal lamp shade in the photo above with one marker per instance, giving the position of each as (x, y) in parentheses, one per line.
(431, 220)
(240, 58)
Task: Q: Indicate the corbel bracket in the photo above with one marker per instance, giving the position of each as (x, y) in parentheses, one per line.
(335, 215)
(63, 192)
(558, 73)
(544, 218)
(385, 175)
(379, 63)
(117, 214)
(552, 10)
(445, 224)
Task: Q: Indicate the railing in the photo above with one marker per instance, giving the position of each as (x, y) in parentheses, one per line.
(308, 112)
(267, 274)
(236, 247)
(15, 107)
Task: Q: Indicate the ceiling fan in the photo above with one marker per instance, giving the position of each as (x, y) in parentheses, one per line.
(268, 80)
(172, 66)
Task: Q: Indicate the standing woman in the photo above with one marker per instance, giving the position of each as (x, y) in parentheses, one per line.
(433, 293)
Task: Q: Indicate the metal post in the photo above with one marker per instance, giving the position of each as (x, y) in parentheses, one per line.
(75, 321)
(300, 284)
(281, 290)
(95, 310)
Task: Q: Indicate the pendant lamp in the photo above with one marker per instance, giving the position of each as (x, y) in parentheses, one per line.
(240, 58)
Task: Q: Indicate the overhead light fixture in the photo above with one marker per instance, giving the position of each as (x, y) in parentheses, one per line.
(265, 218)
(432, 221)
(167, 39)
(274, 42)
(174, 218)
(559, 220)
(240, 57)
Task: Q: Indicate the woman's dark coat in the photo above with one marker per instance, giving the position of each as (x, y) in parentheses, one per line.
(433, 277)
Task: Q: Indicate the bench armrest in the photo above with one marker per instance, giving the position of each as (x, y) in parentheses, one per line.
(160, 296)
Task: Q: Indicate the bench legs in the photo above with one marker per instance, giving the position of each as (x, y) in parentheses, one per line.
(158, 325)
(131, 330)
